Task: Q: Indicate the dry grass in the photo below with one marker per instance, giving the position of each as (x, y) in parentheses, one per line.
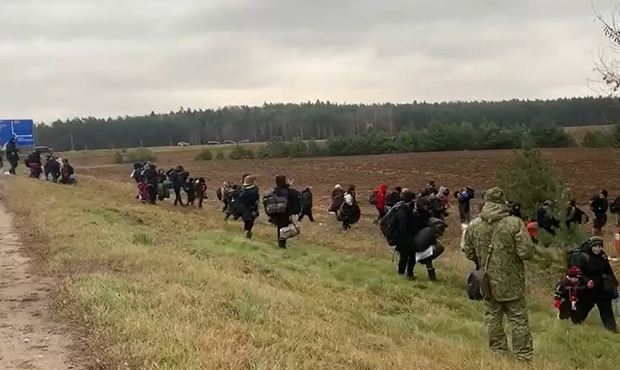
(160, 288)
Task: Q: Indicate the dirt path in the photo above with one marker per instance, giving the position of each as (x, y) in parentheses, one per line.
(28, 337)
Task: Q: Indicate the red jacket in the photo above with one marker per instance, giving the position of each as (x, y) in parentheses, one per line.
(381, 194)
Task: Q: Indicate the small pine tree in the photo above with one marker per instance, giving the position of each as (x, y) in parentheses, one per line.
(530, 180)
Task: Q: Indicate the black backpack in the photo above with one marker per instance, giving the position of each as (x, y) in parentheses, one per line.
(474, 291)
(599, 205)
(389, 225)
(275, 205)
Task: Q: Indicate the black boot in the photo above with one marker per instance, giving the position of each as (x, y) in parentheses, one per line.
(431, 274)
(282, 244)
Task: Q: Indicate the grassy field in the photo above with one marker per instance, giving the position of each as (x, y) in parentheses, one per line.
(163, 288)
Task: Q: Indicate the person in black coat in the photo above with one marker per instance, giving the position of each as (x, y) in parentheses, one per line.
(574, 215)
(178, 179)
(151, 180)
(248, 202)
(427, 240)
(12, 155)
(306, 204)
(407, 227)
(545, 218)
(51, 168)
(282, 189)
(393, 197)
(602, 282)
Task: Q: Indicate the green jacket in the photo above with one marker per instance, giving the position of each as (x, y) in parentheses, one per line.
(511, 246)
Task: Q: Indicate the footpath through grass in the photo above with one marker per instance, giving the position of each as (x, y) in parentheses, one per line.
(158, 288)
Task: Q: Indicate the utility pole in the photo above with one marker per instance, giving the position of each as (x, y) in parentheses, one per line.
(71, 135)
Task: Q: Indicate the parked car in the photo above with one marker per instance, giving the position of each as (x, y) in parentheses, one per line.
(213, 143)
(244, 141)
(42, 149)
(231, 142)
(183, 143)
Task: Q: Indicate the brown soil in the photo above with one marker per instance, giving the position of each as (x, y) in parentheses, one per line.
(585, 171)
(28, 337)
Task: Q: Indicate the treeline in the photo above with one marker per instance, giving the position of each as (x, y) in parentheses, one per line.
(316, 121)
(434, 138)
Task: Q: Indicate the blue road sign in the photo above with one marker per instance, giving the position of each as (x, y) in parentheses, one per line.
(21, 129)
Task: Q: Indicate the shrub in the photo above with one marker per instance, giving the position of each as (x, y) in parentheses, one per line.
(240, 152)
(140, 155)
(530, 180)
(220, 155)
(599, 139)
(204, 155)
(118, 158)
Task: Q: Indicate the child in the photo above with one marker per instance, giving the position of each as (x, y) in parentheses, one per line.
(532, 230)
(201, 189)
(190, 189)
(566, 293)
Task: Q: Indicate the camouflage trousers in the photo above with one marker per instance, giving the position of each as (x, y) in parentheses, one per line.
(516, 312)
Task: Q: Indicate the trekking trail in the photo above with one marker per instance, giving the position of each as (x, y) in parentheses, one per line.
(28, 337)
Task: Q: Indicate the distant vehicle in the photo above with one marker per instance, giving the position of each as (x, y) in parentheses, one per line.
(230, 142)
(213, 143)
(42, 149)
(183, 143)
(244, 141)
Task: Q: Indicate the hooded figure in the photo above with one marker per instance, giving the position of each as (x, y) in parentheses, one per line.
(381, 192)
(602, 282)
(499, 243)
(248, 201)
(306, 204)
(600, 205)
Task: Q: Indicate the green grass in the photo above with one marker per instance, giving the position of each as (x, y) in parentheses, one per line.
(154, 287)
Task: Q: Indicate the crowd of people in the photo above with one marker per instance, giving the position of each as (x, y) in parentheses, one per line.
(498, 241)
(55, 169)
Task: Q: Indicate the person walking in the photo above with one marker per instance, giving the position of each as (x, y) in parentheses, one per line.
(349, 211)
(499, 243)
(602, 282)
(406, 230)
(599, 206)
(464, 197)
(574, 215)
(306, 204)
(248, 201)
(283, 219)
(12, 155)
(378, 200)
(178, 179)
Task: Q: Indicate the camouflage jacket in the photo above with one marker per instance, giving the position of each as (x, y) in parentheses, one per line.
(511, 246)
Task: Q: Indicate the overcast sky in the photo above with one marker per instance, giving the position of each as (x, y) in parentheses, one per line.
(66, 58)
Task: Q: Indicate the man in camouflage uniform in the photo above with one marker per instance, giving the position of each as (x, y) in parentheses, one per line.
(511, 246)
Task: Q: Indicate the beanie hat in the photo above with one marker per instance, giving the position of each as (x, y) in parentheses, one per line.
(495, 195)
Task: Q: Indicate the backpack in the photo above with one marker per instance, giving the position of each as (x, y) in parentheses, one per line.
(474, 291)
(275, 205)
(373, 198)
(599, 205)
(389, 225)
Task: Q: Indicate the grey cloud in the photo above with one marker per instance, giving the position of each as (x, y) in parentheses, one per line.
(74, 57)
